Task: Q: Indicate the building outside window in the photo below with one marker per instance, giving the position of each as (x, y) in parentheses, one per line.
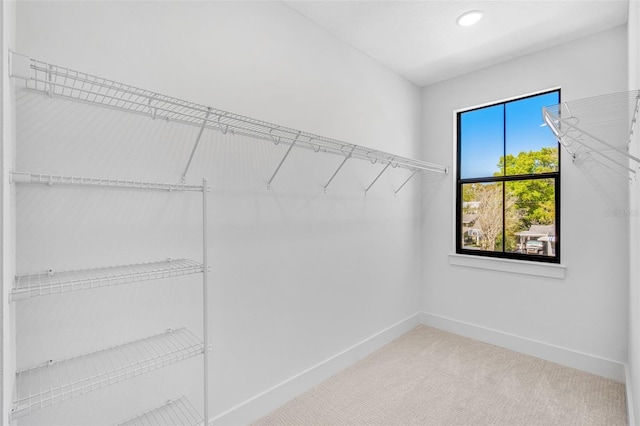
(508, 181)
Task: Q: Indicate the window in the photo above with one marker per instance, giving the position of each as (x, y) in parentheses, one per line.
(508, 181)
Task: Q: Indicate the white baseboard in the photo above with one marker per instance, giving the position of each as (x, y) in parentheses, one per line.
(272, 398)
(629, 388)
(581, 361)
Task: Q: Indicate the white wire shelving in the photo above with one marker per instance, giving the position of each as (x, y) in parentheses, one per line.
(57, 381)
(55, 282)
(63, 82)
(177, 411)
(47, 179)
(599, 128)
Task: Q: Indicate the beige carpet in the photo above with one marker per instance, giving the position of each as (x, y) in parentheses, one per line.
(430, 377)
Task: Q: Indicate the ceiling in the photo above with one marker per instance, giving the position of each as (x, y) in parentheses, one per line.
(421, 41)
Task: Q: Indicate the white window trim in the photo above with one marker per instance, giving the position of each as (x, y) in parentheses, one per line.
(540, 269)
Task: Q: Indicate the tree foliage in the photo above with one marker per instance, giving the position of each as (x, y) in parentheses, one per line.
(535, 197)
(525, 202)
(528, 163)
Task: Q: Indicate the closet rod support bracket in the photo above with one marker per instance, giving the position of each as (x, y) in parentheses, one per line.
(378, 177)
(282, 161)
(346, 157)
(404, 183)
(195, 145)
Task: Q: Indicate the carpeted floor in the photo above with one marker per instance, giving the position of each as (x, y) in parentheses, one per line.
(431, 377)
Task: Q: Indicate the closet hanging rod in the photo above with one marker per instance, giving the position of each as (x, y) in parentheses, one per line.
(63, 82)
(47, 179)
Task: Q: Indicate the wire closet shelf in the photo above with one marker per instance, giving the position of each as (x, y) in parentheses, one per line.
(177, 411)
(55, 282)
(600, 128)
(57, 381)
(54, 382)
(66, 83)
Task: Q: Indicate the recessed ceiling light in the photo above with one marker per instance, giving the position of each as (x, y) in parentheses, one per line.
(469, 18)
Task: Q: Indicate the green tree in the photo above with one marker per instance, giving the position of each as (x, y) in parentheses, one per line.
(524, 203)
(470, 191)
(532, 162)
(535, 198)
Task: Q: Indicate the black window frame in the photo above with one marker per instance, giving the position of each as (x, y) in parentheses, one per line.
(504, 178)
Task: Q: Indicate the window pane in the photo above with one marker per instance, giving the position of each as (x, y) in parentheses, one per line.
(530, 216)
(530, 146)
(481, 142)
(482, 216)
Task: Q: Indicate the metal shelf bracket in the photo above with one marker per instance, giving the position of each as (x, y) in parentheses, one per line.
(195, 145)
(405, 182)
(346, 157)
(377, 177)
(286, 154)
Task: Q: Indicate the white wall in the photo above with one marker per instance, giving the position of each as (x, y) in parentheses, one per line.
(634, 215)
(7, 202)
(298, 275)
(584, 313)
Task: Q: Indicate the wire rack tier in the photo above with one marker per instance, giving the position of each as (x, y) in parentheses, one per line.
(63, 82)
(55, 282)
(48, 179)
(57, 381)
(178, 411)
(599, 128)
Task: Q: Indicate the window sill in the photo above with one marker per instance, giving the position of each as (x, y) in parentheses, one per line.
(539, 269)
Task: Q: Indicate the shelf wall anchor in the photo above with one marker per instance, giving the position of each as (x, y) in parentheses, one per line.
(19, 66)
